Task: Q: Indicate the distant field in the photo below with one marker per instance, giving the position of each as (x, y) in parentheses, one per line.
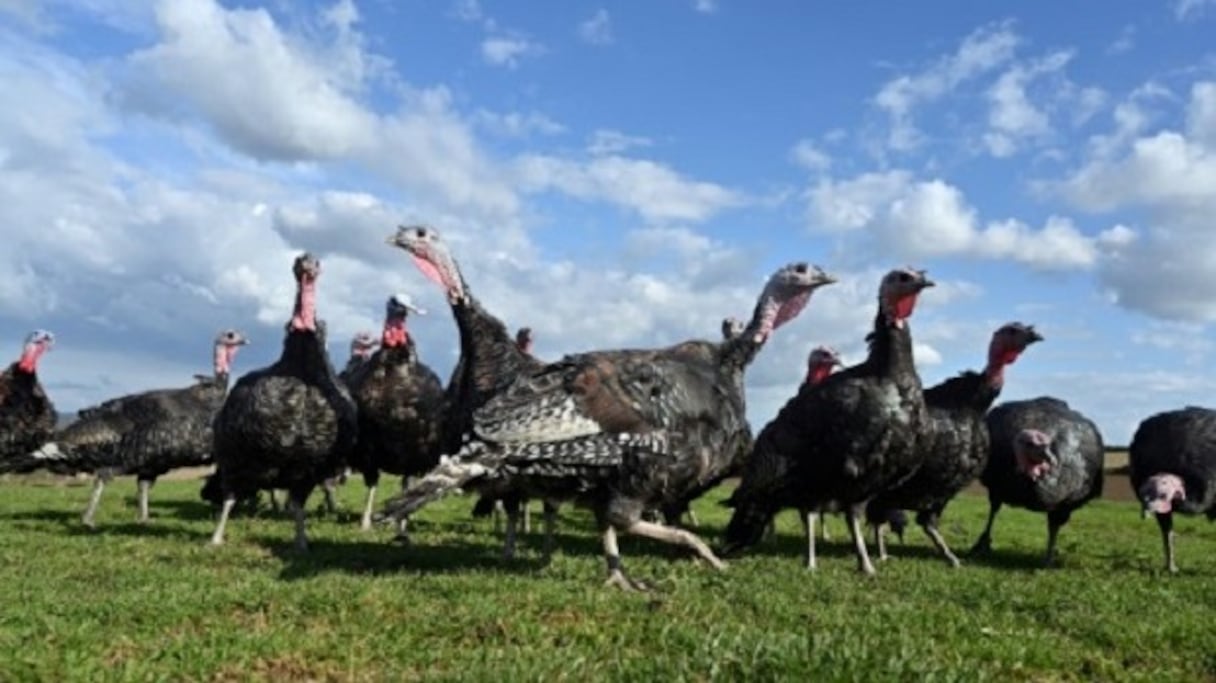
(155, 603)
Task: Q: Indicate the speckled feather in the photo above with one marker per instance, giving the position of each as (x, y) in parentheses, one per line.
(286, 426)
(401, 410)
(1183, 443)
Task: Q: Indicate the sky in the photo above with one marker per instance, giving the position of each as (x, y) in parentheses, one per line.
(612, 175)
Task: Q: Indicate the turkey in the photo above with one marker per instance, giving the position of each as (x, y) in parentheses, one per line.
(362, 346)
(27, 416)
(490, 358)
(1045, 457)
(145, 434)
(514, 504)
(289, 425)
(400, 403)
(956, 446)
(1173, 468)
(621, 431)
(839, 443)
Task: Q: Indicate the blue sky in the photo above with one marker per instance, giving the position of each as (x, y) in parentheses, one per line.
(614, 175)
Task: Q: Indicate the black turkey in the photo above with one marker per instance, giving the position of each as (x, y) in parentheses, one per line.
(1044, 457)
(839, 443)
(956, 447)
(146, 434)
(621, 431)
(289, 425)
(490, 358)
(401, 408)
(27, 416)
(362, 345)
(1173, 468)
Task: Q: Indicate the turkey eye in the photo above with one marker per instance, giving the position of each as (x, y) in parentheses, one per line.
(800, 268)
(421, 232)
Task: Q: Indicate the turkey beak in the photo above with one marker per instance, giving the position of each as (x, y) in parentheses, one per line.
(1034, 337)
(825, 279)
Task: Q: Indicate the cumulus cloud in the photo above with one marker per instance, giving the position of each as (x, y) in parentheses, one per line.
(809, 156)
(1011, 115)
(911, 218)
(598, 29)
(517, 124)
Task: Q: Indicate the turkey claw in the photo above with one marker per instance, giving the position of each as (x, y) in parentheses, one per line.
(617, 578)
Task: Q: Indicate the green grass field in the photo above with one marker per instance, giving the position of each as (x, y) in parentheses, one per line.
(155, 603)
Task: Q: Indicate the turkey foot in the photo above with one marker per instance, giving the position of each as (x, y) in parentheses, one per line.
(936, 536)
(676, 537)
(617, 578)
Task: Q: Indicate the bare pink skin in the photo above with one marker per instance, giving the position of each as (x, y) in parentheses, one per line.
(1027, 453)
(30, 355)
(394, 333)
(305, 318)
(820, 365)
(899, 292)
(224, 353)
(1159, 493)
(363, 346)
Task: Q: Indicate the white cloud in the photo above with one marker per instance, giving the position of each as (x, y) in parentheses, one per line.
(507, 51)
(598, 29)
(916, 219)
(1190, 9)
(1124, 42)
(983, 50)
(1011, 116)
(604, 142)
(809, 156)
(705, 6)
(1201, 114)
(653, 190)
(517, 124)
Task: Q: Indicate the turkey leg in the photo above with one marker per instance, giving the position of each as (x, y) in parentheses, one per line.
(983, 544)
(809, 517)
(99, 485)
(144, 486)
(1166, 522)
(854, 515)
(616, 575)
(934, 535)
(217, 538)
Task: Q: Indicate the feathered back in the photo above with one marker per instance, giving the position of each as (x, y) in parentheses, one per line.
(1182, 443)
(27, 416)
(969, 389)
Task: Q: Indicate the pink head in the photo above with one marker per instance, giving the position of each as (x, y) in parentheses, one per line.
(1008, 342)
(820, 363)
(396, 310)
(785, 296)
(306, 269)
(1032, 451)
(432, 257)
(523, 339)
(1160, 492)
(898, 293)
(227, 342)
(363, 345)
(37, 343)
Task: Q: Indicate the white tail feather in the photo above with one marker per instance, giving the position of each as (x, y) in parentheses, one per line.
(49, 451)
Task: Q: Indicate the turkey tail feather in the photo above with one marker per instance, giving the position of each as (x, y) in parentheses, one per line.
(49, 455)
(447, 477)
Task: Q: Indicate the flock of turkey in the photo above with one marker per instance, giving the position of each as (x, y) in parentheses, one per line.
(635, 435)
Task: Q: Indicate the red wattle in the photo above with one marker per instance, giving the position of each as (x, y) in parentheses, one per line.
(429, 271)
(29, 359)
(904, 306)
(394, 334)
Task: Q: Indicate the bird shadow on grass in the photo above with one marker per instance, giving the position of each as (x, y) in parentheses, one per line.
(382, 557)
(69, 521)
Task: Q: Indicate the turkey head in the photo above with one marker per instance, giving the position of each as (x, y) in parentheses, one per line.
(37, 343)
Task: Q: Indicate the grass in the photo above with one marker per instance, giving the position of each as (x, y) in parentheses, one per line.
(132, 603)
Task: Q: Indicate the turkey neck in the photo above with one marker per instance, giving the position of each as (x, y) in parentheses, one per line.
(28, 364)
(305, 317)
(489, 357)
(738, 352)
(891, 349)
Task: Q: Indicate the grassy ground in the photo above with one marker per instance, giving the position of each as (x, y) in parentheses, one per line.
(155, 603)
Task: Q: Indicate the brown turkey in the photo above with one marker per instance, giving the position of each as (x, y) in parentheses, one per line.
(146, 434)
(490, 358)
(621, 431)
(27, 416)
(289, 425)
(1173, 468)
(1045, 457)
(401, 408)
(956, 446)
(839, 443)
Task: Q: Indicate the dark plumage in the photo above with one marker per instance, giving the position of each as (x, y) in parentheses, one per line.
(401, 406)
(1044, 457)
(1173, 468)
(490, 359)
(145, 434)
(955, 448)
(620, 431)
(289, 425)
(845, 440)
(27, 416)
